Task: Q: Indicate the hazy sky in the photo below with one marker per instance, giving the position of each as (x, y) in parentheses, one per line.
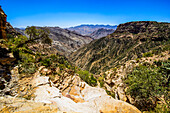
(66, 13)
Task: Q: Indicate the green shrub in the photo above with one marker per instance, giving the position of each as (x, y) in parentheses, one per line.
(110, 93)
(147, 83)
(148, 54)
(92, 81)
(101, 81)
(46, 62)
(27, 63)
(87, 77)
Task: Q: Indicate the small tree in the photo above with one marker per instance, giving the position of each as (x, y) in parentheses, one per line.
(35, 35)
(32, 32)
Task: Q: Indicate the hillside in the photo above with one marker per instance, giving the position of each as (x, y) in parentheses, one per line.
(88, 29)
(129, 41)
(64, 41)
(101, 33)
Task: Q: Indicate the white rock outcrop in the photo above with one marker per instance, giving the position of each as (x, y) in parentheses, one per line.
(80, 98)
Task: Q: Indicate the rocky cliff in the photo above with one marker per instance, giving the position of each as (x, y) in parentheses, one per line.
(88, 29)
(101, 33)
(129, 41)
(2, 24)
(6, 57)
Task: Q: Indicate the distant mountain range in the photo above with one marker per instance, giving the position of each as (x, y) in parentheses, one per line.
(89, 29)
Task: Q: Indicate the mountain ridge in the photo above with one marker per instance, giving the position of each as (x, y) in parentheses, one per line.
(87, 29)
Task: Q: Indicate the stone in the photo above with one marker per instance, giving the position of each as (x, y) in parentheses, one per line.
(40, 81)
(45, 93)
(89, 92)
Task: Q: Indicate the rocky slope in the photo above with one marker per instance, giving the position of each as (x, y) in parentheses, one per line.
(69, 94)
(64, 40)
(129, 41)
(88, 29)
(101, 33)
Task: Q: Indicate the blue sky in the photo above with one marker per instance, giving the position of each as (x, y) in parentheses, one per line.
(66, 13)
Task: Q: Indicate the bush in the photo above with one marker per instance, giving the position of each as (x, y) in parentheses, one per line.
(87, 77)
(148, 83)
(46, 62)
(101, 81)
(148, 54)
(27, 63)
(110, 93)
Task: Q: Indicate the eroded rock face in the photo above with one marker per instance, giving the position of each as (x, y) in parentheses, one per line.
(67, 41)
(2, 24)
